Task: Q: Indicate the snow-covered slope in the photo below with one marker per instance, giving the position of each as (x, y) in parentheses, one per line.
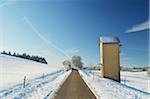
(13, 70)
(42, 80)
(109, 89)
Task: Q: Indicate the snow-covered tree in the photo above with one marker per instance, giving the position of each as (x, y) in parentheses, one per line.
(76, 61)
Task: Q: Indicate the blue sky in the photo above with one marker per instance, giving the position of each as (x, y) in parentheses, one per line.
(62, 28)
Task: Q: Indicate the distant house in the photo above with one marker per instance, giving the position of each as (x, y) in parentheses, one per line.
(109, 57)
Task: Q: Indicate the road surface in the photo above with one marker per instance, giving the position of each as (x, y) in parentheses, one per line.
(74, 88)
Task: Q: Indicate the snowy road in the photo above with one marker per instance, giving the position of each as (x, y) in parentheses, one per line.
(74, 88)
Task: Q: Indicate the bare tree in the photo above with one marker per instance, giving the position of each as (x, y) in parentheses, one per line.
(67, 63)
(76, 61)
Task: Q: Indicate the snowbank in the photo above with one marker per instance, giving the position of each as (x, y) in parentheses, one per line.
(109, 89)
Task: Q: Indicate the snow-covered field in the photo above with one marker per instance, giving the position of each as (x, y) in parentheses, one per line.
(37, 86)
(43, 81)
(13, 70)
(138, 80)
(109, 89)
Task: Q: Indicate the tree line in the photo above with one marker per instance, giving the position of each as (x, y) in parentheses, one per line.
(26, 56)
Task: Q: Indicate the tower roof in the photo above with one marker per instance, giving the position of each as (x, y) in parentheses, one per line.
(109, 39)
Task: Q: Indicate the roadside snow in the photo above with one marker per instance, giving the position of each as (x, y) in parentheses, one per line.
(38, 88)
(109, 89)
(13, 70)
(137, 80)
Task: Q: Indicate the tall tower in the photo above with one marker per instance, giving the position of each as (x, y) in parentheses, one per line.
(110, 57)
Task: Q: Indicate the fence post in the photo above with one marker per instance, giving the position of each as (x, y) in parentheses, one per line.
(24, 82)
(57, 73)
(93, 75)
(43, 75)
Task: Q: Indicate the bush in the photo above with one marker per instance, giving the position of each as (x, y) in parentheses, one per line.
(146, 68)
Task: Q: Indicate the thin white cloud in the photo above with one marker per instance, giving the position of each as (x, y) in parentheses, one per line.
(7, 2)
(43, 38)
(71, 51)
(139, 27)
